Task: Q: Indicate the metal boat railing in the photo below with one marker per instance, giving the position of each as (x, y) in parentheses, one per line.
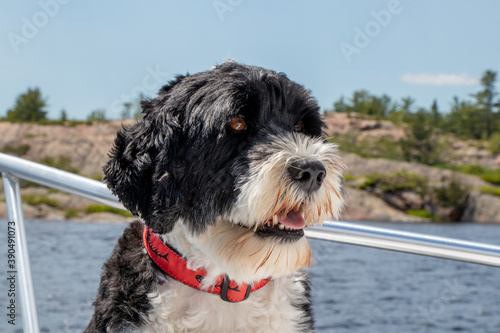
(13, 169)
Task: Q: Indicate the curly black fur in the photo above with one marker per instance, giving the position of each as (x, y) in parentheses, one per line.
(128, 275)
(181, 159)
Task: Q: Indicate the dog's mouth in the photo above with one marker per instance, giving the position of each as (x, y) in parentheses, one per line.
(287, 224)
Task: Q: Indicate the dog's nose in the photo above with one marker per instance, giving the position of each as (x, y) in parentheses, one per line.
(308, 174)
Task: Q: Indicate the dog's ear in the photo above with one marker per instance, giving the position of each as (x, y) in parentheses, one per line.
(139, 170)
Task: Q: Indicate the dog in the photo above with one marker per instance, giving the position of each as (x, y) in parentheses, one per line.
(225, 170)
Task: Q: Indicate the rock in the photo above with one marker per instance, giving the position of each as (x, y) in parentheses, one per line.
(462, 151)
(395, 201)
(3, 209)
(359, 166)
(363, 206)
(403, 200)
(411, 199)
(482, 208)
(341, 123)
(86, 145)
(369, 125)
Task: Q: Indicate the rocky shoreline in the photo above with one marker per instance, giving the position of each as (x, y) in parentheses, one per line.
(419, 193)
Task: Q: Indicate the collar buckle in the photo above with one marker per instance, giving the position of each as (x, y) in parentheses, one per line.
(225, 288)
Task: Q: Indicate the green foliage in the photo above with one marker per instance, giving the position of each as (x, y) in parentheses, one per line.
(98, 116)
(403, 180)
(490, 190)
(421, 213)
(494, 144)
(383, 147)
(397, 181)
(435, 117)
(370, 181)
(478, 118)
(472, 169)
(488, 175)
(465, 120)
(348, 177)
(491, 176)
(452, 194)
(16, 150)
(30, 107)
(63, 162)
(40, 199)
(64, 116)
(420, 144)
(364, 103)
(485, 102)
(98, 208)
(70, 213)
(73, 123)
(97, 176)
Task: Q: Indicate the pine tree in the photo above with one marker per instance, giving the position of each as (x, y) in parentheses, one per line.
(64, 116)
(436, 117)
(485, 100)
(30, 107)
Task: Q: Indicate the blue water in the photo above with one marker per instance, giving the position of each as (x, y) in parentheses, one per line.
(355, 289)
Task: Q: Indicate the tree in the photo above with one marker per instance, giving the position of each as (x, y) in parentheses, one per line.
(30, 107)
(406, 108)
(127, 106)
(361, 101)
(341, 106)
(465, 120)
(485, 101)
(137, 106)
(420, 144)
(64, 115)
(436, 117)
(98, 115)
(364, 103)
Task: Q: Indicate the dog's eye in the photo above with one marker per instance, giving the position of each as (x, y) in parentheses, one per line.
(299, 126)
(238, 124)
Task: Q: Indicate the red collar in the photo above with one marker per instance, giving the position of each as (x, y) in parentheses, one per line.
(175, 266)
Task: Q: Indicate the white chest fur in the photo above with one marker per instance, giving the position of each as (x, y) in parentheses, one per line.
(180, 308)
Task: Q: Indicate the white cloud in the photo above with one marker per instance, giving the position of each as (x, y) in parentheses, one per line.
(440, 79)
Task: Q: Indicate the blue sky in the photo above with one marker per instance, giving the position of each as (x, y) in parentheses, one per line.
(86, 55)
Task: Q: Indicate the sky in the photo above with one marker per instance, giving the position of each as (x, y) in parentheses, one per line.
(88, 55)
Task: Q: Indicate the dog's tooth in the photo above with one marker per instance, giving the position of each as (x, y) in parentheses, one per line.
(275, 219)
(281, 226)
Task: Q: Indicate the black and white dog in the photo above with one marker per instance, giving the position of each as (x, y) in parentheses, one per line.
(226, 169)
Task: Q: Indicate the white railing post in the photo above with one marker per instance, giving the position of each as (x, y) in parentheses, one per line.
(21, 270)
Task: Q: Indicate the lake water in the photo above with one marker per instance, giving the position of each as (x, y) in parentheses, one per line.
(355, 289)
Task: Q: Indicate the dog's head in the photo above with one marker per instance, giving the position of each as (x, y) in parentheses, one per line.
(236, 155)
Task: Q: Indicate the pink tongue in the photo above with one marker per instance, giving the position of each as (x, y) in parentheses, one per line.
(292, 220)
